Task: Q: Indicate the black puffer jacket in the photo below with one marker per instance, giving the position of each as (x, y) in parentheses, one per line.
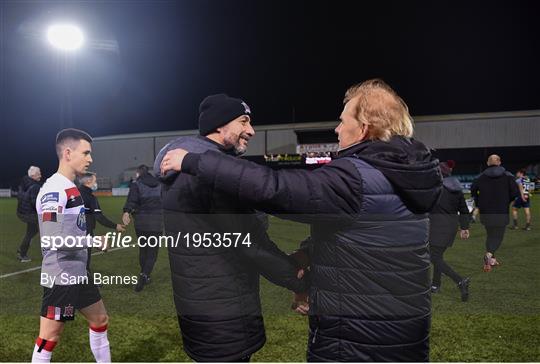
(216, 289)
(493, 191)
(144, 202)
(26, 199)
(444, 218)
(369, 297)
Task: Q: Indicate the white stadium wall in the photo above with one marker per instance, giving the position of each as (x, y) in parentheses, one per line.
(479, 130)
(115, 154)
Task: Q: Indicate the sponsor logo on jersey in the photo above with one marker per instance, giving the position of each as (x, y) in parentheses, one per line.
(49, 197)
(50, 208)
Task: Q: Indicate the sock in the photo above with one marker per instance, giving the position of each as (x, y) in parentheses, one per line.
(43, 351)
(99, 344)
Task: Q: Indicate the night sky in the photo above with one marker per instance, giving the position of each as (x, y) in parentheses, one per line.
(146, 65)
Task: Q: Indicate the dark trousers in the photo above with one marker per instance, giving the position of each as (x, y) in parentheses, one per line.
(91, 233)
(495, 235)
(31, 230)
(440, 266)
(147, 254)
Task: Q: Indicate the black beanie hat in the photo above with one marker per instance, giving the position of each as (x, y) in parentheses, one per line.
(218, 110)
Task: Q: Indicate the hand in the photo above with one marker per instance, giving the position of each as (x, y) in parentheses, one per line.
(172, 161)
(301, 258)
(464, 234)
(126, 219)
(300, 303)
(120, 228)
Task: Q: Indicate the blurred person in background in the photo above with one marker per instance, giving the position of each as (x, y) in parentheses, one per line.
(443, 219)
(87, 186)
(26, 209)
(522, 201)
(144, 203)
(493, 191)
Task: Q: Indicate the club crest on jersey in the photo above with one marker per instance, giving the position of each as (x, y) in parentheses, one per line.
(81, 220)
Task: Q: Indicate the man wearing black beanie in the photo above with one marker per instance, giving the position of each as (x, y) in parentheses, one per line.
(216, 289)
(226, 121)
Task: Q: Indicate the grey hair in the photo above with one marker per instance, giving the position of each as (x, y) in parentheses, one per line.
(33, 170)
(86, 177)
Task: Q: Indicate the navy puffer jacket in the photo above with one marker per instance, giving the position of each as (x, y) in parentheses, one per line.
(216, 289)
(369, 297)
(27, 194)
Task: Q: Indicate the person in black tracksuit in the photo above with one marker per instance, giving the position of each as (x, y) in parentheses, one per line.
(493, 191)
(443, 220)
(216, 288)
(144, 203)
(26, 210)
(369, 298)
(92, 210)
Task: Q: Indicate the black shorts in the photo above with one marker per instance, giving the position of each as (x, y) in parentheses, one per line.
(519, 203)
(60, 302)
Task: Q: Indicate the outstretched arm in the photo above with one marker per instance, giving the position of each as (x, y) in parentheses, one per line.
(334, 189)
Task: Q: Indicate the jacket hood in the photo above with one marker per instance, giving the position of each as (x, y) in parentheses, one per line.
(148, 180)
(26, 182)
(408, 165)
(494, 171)
(452, 184)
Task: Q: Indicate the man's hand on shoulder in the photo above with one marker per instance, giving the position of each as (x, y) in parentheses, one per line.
(173, 160)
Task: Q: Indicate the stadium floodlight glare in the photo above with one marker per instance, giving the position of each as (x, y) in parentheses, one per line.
(65, 36)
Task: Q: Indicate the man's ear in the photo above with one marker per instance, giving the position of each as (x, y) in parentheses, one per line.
(67, 154)
(364, 131)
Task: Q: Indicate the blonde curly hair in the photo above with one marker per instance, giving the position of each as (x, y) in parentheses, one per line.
(379, 107)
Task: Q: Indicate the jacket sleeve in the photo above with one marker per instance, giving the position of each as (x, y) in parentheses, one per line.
(132, 202)
(514, 188)
(474, 192)
(102, 219)
(34, 191)
(326, 192)
(464, 214)
(272, 263)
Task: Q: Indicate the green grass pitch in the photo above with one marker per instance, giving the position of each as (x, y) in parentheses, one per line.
(499, 323)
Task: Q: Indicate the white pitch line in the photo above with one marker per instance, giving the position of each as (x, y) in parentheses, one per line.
(39, 267)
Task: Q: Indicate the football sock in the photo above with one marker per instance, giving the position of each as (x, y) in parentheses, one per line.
(99, 344)
(43, 350)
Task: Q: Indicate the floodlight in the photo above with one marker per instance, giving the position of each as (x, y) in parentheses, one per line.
(65, 36)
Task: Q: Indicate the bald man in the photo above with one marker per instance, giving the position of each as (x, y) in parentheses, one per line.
(493, 191)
